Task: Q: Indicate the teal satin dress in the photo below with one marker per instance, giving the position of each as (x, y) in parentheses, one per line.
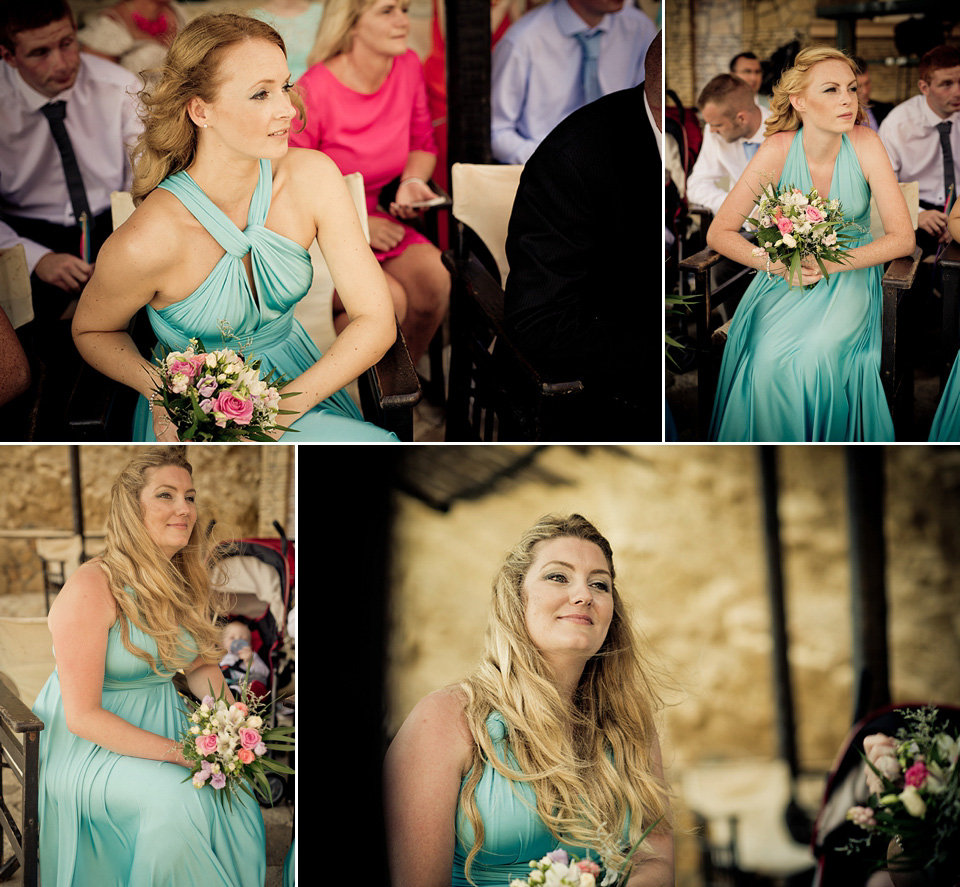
(946, 422)
(513, 832)
(282, 272)
(116, 821)
(804, 364)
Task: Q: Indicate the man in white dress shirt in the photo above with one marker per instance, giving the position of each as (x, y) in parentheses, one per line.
(734, 131)
(67, 121)
(922, 137)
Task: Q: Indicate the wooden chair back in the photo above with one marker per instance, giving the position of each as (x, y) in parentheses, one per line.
(20, 752)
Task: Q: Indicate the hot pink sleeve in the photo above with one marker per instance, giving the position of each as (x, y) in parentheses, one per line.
(421, 126)
(309, 86)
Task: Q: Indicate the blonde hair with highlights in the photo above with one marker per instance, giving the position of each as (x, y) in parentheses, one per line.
(783, 116)
(191, 69)
(335, 34)
(169, 595)
(590, 767)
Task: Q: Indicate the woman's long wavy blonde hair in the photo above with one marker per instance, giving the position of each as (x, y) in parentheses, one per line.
(335, 34)
(590, 767)
(169, 594)
(783, 116)
(168, 143)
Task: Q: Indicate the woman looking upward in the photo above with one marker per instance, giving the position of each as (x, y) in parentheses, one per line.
(550, 742)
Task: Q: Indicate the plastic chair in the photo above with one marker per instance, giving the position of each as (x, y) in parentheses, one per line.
(495, 392)
(101, 409)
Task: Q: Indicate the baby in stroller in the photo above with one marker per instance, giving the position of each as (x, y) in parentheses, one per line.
(240, 660)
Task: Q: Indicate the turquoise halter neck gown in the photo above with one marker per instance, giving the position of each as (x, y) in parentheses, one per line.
(282, 272)
(946, 422)
(804, 364)
(513, 832)
(116, 821)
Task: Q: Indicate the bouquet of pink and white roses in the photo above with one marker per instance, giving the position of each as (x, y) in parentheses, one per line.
(217, 395)
(915, 795)
(792, 225)
(227, 745)
(561, 869)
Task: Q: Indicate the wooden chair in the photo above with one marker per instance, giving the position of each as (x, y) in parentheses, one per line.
(26, 661)
(896, 368)
(16, 299)
(101, 409)
(495, 393)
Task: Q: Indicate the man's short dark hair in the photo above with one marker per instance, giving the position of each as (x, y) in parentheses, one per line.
(743, 55)
(18, 16)
(938, 57)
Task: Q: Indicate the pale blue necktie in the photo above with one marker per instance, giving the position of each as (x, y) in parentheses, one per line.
(750, 148)
(589, 79)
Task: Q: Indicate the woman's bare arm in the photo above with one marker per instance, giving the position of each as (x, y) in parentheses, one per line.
(422, 772)
(80, 620)
(358, 279)
(129, 272)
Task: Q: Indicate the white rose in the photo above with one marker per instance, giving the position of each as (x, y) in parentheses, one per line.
(587, 880)
(914, 803)
(789, 241)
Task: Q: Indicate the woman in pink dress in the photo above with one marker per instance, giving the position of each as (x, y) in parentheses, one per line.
(366, 108)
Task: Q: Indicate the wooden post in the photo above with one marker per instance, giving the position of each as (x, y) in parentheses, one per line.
(865, 489)
(468, 81)
(783, 691)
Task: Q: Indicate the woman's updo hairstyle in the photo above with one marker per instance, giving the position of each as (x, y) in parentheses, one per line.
(783, 116)
(168, 143)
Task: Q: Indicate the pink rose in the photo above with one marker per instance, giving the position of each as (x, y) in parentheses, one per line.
(239, 409)
(785, 225)
(248, 738)
(246, 755)
(814, 215)
(916, 775)
(207, 745)
(240, 707)
(219, 780)
(188, 367)
(589, 866)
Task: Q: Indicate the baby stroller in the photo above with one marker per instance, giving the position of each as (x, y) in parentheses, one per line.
(846, 787)
(260, 578)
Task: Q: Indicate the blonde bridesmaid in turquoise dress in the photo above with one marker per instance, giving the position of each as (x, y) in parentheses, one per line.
(946, 422)
(803, 364)
(550, 743)
(219, 240)
(114, 808)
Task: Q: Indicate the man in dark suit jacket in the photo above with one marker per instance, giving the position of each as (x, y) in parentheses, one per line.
(585, 246)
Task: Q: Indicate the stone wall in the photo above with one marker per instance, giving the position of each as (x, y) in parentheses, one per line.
(685, 525)
(703, 35)
(243, 488)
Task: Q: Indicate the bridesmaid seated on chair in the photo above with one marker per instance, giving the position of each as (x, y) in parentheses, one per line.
(367, 110)
(226, 213)
(116, 808)
(946, 423)
(803, 363)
